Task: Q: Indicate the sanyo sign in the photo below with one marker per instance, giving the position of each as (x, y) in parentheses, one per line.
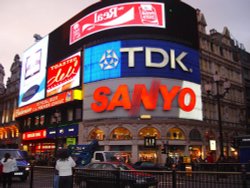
(158, 97)
(141, 58)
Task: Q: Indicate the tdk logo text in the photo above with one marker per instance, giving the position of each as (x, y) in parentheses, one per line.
(141, 58)
(170, 58)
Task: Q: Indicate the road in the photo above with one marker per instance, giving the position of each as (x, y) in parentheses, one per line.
(43, 178)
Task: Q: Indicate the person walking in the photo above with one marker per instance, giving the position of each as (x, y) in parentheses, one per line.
(8, 167)
(64, 165)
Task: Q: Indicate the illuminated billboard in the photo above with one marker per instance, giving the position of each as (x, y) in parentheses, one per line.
(143, 14)
(134, 97)
(33, 73)
(64, 75)
(35, 135)
(49, 102)
(141, 58)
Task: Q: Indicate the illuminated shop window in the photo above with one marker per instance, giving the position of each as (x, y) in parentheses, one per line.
(37, 120)
(175, 134)
(120, 134)
(17, 133)
(195, 135)
(96, 134)
(149, 131)
(42, 119)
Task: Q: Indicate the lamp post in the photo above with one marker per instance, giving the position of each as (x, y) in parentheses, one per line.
(218, 96)
(56, 116)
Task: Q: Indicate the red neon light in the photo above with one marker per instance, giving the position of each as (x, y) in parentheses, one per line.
(121, 98)
(35, 135)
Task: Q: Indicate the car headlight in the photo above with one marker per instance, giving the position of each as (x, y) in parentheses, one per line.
(27, 168)
(140, 181)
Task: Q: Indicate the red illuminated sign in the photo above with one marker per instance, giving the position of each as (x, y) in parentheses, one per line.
(148, 14)
(140, 94)
(35, 135)
(44, 104)
(64, 75)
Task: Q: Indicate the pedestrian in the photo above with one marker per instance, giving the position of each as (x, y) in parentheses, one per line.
(9, 166)
(64, 165)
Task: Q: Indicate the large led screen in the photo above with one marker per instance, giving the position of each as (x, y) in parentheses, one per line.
(33, 73)
(133, 97)
(141, 58)
(64, 75)
(144, 14)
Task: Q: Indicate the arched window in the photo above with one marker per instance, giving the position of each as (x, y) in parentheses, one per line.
(175, 134)
(209, 135)
(149, 131)
(195, 135)
(97, 134)
(120, 133)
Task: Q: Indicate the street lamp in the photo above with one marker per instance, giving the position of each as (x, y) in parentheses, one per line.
(57, 119)
(218, 96)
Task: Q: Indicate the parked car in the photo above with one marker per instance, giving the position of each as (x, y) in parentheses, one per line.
(113, 175)
(22, 164)
(148, 165)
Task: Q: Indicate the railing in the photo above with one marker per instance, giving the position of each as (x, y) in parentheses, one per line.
(43, 177)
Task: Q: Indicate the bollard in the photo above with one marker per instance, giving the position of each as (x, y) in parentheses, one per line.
(174, 178)
(31, 175)
(244, 176)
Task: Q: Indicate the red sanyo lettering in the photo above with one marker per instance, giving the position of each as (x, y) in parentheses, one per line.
(186, 98)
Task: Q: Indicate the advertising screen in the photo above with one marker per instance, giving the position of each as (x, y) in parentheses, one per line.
(144, 14)
(141, 58)
(135, 97)
(64, 75)
(33, 73)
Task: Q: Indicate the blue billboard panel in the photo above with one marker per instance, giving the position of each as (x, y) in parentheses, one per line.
(141, 58)
(102, 62)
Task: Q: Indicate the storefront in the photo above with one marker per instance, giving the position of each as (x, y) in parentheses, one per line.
(36, 142)
(64, 135)
(9, 136)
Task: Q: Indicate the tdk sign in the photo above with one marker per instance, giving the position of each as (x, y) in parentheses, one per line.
(141, 58)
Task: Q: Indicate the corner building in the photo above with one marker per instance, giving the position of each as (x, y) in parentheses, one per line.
(141, 79)
(136, 64)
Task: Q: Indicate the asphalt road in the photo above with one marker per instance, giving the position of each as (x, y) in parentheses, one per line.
(43, 178)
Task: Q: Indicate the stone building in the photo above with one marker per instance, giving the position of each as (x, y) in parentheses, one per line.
(172, 135)
(218, 55)
(9, 128)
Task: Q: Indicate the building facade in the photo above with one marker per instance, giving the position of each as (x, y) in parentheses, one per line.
(137, 86)
(9, 127)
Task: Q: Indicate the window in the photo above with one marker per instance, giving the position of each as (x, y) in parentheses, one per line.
(96, 134)
(42, 119)
(175, 134)
(121, 134)
(99, 157)
(78, 113)
(195, 135)
(70, 114)
(36, 120)
(149, 131)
